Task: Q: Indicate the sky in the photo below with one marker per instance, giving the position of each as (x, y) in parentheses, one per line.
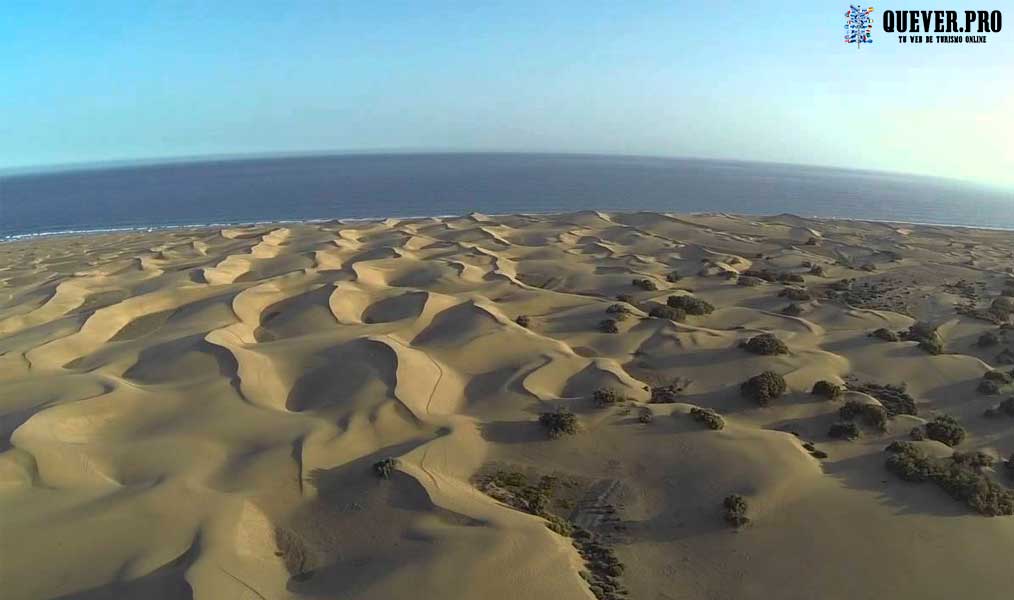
(772, 81)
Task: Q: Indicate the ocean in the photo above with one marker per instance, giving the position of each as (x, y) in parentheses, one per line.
(251, 190)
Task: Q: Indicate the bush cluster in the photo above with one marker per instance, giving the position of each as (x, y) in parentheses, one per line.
(385, 468)
(665, 394)
(946, 429)
(1005, 408)
(523, 320)
(988, 339)
(645, 284)
(607, 397)
(959, 475)
(673, 277)
(765, 344)
(791, 278)
(661, 311)
(892, 397)
(796, 294)
(691, 305)
(735, 510)
(764, 388)
(844, 430)
(792, 310)
(625, 298)
(927, 337)
(817, 270)
(618, 309)
(559, 423)
(1005, 357)
(708, 417)
(873, 415)
(827, 389)
(886, 334)
(608, 326)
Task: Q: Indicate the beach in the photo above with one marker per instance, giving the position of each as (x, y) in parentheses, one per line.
(519, 406)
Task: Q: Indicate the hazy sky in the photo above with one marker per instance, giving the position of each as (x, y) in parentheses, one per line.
(95, 81)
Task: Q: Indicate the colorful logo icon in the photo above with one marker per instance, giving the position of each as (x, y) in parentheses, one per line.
(858, 26)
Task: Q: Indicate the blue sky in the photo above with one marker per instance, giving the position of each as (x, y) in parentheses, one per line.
(771, 81)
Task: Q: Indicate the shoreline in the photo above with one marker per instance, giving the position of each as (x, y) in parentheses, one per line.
(19, 237)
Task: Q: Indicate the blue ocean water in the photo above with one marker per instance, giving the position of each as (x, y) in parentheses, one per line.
(382, 185)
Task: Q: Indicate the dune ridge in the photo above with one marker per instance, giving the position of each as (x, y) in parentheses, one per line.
(196, 413)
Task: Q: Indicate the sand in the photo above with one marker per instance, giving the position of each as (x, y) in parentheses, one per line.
(196, 413)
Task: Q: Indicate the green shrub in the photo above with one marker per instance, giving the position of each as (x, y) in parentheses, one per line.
(608, 326)
(792, 310)
(885, 334)
(908, 462)
(795, 294)
(872, 414)
(523, 320)
(645, 284)
(988, 387)
(831, 391)
(667, 394)
(558, 525)
(892, 397)
(625, 298)
(945, 429)
(817, 271)
(559, 423)
(708, 417)
(918, 434)
(668, 312)
(646, 416)
(765, 344)
(607, 397)
(791, 278)
(998, 376)
(1005, 408)
(691, 305)
(764, 388)
(988, 339)
(735, 510)
(672, 277)
(618, 309)
(385, 468)
(1005, 357)
(844, 430)
(927, 337)
(977, 459)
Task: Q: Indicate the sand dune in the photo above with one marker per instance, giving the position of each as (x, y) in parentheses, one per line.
(199, 413)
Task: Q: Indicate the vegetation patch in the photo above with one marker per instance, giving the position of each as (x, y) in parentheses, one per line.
(795, 294)
(691, 305)
(669, 393)
(827, 389)
(792, 310)
(710, 418)
(645, 284)
(618, 309)
(1004, 409)
(523, 320)
(735, 508)
(844, 430)
(604, 397)
(764, 388)
(886, 334)
(960, 475)
(765, 344)
(872, 415)
(385, 468)
(667, 312)
(945, 429)
(893, 398)
(673, 277)
(927, 337)
(559, 423)
(608, 326)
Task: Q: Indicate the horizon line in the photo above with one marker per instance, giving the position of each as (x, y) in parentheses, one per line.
(193, 159)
